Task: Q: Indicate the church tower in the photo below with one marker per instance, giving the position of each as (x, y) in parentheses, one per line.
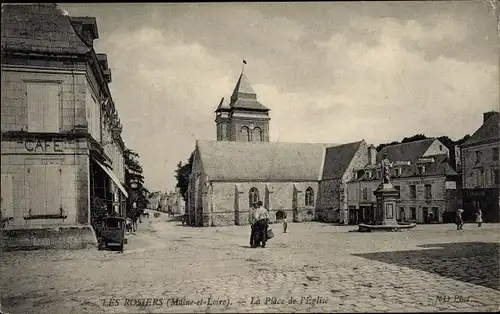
(245, 119)
(222, 120)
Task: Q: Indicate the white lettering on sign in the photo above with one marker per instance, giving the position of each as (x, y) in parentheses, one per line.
(53, 145)
(451, 185)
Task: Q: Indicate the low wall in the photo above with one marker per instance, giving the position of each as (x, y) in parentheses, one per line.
(66, 238)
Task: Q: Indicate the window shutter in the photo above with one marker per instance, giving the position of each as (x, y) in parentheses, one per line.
(52, 104)
(7, 197)
(37, 190)
(53, 184)
(35, 107)
(43, 107)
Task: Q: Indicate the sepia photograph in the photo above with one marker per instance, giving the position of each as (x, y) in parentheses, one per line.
(250, 157)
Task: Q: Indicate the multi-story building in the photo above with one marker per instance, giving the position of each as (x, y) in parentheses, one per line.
(480, 170)
(62, 151)
(422, 174)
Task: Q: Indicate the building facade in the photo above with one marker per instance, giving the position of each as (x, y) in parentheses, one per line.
(422, 174)
(480, 170)
(62, 151)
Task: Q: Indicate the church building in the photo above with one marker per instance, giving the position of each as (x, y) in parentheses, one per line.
(304, 181)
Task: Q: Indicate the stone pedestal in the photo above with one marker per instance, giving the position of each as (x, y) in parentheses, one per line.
(385, 213)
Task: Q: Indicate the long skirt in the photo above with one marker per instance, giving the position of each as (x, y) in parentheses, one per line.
(259, 233)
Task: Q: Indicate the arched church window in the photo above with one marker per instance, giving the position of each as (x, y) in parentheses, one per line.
(309, 197)
(245, 134)
(253, 196)
(257, 135)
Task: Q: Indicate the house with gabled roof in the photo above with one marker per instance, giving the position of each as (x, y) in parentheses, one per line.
(480, 170)
(422, 174)
(304, 181)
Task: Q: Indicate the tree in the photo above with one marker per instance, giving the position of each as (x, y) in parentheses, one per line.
(134, 171)
(414, 138)
(182, 174)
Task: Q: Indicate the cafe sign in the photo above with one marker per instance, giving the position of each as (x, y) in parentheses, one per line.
(54, 145)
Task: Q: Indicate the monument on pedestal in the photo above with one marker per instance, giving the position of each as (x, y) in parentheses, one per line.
(385, 213)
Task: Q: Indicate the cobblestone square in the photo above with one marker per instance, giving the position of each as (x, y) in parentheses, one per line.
(315, 267)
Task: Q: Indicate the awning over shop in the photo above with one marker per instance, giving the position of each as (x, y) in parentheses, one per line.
(113, 177)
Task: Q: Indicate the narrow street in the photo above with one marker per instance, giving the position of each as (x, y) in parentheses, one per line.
(167, 267)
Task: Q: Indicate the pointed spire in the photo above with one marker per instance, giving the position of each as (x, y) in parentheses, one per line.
(223, 106)
(243, 88)
(244, 96)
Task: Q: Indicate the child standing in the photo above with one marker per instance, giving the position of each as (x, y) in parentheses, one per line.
(479, 217)
(285, 224)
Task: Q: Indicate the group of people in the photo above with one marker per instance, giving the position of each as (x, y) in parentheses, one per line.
(258, 217)
(460, 221)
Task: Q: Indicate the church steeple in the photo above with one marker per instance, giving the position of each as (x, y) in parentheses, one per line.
(243, 89)
(245, 119)
(244, 96)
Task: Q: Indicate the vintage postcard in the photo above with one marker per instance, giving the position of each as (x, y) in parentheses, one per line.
(244, 157)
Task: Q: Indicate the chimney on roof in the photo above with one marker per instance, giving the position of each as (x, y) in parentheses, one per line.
(103, 61)
(372, 155)
(87, 28)
(488, 115)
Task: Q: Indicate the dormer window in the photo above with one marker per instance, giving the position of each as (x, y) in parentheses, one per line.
(398, 172)
(421, 169)
(369, 174)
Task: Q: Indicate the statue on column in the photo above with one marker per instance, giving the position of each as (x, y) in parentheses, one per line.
(386, 169)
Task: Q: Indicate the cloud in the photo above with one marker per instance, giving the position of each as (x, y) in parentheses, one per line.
(331, 73)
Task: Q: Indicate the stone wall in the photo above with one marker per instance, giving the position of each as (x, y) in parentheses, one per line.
(329, 201)
(15, 108)
(71, 183)
(48, 238)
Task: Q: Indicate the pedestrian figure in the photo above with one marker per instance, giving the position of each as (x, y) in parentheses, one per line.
(479, 217)
(285, 224)
(431, 217)
(251, 221)
(261, 225)
(459, 219)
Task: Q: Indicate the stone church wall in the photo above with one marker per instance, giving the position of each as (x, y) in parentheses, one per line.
(230, 201)
(328, 209)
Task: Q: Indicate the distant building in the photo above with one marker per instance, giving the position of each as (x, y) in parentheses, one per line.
(61, 146)
(480, 170)
(422, 174)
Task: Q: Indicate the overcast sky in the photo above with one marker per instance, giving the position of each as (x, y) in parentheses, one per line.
(329, 72)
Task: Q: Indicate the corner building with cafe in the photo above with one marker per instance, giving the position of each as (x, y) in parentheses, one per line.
(61, 146)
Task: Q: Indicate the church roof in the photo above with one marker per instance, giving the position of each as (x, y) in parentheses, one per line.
(39, 28)
(261, 161)
(490, 130)
(244, 97)
(337, 159)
